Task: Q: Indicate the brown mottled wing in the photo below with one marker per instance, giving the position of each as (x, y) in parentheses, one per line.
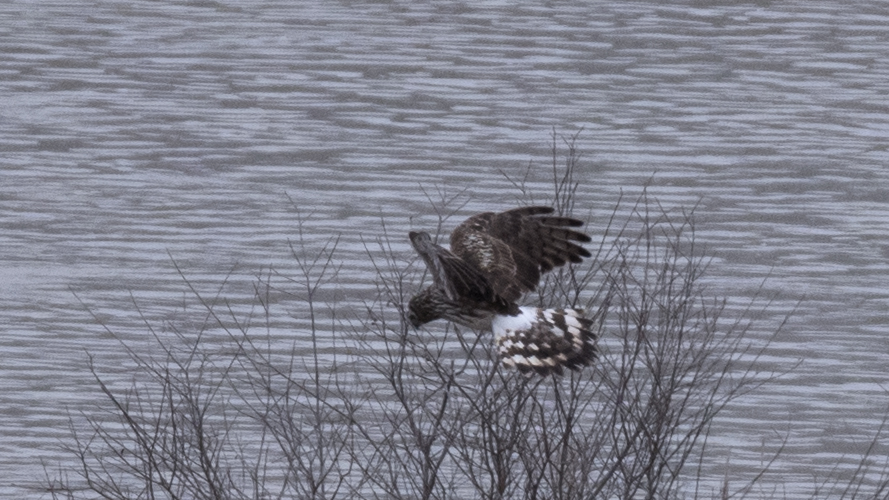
(513, 248)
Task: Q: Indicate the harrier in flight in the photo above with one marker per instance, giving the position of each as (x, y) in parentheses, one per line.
(494, 259)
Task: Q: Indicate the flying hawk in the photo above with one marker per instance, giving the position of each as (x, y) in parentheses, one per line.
(495, 258)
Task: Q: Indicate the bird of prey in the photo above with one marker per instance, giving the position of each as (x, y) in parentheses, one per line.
(494, 259)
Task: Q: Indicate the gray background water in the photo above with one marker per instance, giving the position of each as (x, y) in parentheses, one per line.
(131, 132)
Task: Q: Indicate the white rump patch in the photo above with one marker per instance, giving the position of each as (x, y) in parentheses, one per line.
(513, 327)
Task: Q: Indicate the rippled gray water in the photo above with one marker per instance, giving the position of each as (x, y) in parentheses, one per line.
(133, 132)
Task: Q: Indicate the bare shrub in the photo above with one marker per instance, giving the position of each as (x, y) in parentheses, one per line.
(360, 405)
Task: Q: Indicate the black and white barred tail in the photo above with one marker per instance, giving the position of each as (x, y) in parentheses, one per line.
(545, 341)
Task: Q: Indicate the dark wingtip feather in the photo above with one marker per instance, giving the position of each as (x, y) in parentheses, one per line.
(535, 210)
(574, 223)
(581, 251)
(561, 221)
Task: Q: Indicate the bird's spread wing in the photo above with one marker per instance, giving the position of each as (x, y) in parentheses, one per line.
(513, 248)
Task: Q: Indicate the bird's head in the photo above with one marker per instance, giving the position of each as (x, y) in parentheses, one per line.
(423, 308)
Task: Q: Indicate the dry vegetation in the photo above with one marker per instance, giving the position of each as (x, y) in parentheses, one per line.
(366, 407)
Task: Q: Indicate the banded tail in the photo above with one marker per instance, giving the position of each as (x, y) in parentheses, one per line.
(545, 341)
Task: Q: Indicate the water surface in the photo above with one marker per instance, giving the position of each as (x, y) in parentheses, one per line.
(202, 132)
